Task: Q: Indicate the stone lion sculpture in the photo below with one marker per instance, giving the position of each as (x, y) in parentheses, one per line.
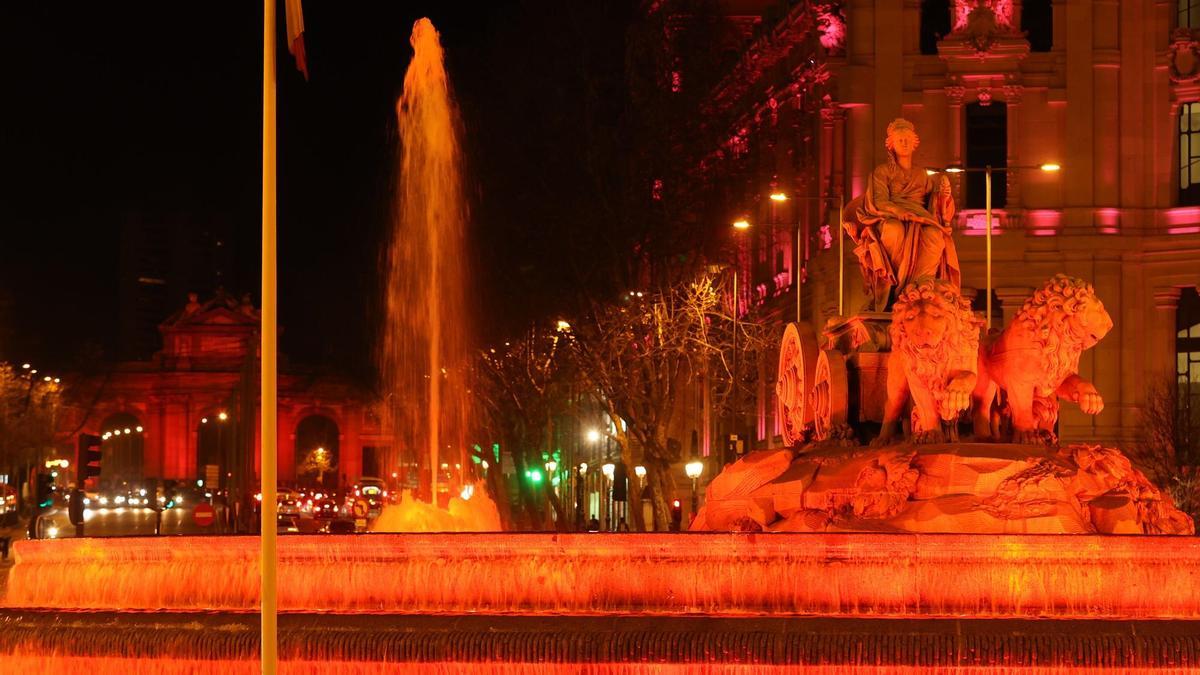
(1035, 360)
(935, 347)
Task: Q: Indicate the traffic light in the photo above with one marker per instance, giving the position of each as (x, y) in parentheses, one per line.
(75, 507)
(44, 490)
(676, 515)
(89, 456)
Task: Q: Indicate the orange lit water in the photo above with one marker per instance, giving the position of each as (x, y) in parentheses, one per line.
(856, 574)
(424, 341)
(471, 512)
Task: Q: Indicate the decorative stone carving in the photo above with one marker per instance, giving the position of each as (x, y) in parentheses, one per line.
(935, 347)
(832, 28)
(1035, 360)
(961, 487)
(1000, 12)
(794, 383)
(1183, 56)
(830, 397)
(902, 224)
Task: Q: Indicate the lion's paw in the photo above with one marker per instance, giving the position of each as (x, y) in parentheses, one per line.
(929, 436)
(1039, 437)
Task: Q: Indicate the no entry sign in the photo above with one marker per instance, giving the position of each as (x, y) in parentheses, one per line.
(203, 514)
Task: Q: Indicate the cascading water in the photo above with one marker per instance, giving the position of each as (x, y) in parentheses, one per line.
(425, 336)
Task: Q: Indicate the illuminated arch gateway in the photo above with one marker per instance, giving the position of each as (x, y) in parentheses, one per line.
(188, 399)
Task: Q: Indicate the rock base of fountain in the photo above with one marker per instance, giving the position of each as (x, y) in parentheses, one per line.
(103, 643)
(981, 488)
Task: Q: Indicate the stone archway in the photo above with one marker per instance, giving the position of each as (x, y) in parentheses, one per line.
(123, 451)
(318, 451)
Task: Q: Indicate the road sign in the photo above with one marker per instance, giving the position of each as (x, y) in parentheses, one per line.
(360, 508)
(203, 514)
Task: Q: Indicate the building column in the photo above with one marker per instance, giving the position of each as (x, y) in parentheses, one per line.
(1011, 300)
(954, 99)
(1162, 361)
(1012, 95)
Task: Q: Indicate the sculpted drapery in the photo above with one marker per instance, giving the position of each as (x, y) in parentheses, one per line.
(901, 224)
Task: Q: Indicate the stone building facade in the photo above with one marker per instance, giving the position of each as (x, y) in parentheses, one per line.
(194, 405)
(1108, 90)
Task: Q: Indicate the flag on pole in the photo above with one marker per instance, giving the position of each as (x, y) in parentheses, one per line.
(295, 34)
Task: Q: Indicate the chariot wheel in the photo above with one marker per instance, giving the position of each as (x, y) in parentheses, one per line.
(830, 395)
(793, 386)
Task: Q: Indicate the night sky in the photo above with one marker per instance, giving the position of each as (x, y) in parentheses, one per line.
(120, 108)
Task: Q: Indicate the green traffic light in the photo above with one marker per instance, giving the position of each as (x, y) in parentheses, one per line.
(535, 476)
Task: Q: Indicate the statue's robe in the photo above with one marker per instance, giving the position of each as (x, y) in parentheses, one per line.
(892, 253)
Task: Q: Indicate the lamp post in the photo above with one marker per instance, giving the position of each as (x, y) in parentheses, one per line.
(779, 197)
(693, 469)
(592, 436)
(741, 224)
(609, 470)
(987, 171)
(580, 494)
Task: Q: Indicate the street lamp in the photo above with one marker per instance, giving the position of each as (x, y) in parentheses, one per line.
(1049, 167)
(779, 197)
(592, 436)
(580, 495)
(609, 470)
(693, 469)
(639, 471)
(739, 225)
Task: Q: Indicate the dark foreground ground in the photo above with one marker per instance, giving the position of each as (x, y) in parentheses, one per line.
(565, 640)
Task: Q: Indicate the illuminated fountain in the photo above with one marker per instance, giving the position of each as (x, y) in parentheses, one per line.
(425, 334)
(846, 559)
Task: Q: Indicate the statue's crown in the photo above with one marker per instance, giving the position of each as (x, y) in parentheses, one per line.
(900, 124)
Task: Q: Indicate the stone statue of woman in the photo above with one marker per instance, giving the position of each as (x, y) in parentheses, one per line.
(901, 225)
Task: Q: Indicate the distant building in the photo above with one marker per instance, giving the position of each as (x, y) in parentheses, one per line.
(187, 412)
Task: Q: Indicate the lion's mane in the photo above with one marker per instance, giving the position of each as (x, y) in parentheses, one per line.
(1045, 316)
(931, 367)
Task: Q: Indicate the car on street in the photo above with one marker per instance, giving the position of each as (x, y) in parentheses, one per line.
(374, 491)
(288, 504)
(326, 508)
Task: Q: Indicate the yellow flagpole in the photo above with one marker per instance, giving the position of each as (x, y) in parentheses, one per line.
(268, 561)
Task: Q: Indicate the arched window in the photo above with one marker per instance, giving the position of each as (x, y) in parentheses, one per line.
(1037, 21)
(317, 452)
(935, 24)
